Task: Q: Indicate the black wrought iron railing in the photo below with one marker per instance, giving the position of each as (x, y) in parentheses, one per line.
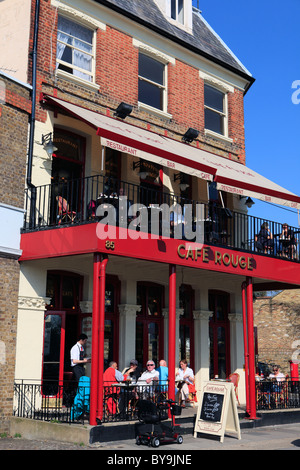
(147, 209)
(271, 394)
(68, 402)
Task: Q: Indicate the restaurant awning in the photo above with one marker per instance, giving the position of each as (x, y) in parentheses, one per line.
(231, 176)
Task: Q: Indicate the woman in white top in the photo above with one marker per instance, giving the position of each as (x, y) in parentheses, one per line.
(186, 376)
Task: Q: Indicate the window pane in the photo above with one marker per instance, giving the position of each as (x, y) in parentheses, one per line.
(150, 94)
(151, 69)
(180, 11)
(221, 353)
(213, 98)
(153, 342)
(214, 121)
(108, 342)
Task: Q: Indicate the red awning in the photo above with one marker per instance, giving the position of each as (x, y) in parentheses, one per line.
(231, 176)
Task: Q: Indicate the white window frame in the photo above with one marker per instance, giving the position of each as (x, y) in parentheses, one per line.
(224, 88)
(164, 59)
(92, 54)
(181, 21)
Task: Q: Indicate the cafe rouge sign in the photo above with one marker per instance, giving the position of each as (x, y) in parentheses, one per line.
(205, 254)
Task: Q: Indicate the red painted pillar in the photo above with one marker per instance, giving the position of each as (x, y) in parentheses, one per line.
(95, 340)
(246, 354)
(103, 264)
(172, 330)
(250, 324)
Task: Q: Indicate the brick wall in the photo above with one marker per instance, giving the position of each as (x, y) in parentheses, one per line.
(14, 112)
(278, 325)
(116, 74)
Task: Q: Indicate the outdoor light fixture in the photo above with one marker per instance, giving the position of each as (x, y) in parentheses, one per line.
(249, 203)
(182, 185)
(142, 173)
(190, 135)
(48, 144)
(123, 110)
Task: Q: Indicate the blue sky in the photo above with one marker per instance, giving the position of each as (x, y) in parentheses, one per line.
(264, 35)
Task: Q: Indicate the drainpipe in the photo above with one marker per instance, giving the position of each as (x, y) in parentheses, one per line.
(32, 117)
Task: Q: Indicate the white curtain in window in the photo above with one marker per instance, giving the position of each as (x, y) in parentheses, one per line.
(78, 37)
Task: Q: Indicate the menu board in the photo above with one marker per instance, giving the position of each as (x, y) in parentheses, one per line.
(211, 408)
(217, 411)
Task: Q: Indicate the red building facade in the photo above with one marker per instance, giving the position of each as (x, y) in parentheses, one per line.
(135, 290)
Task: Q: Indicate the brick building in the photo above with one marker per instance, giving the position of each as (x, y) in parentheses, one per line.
(278, 327)
(15, 108)
(140, 287)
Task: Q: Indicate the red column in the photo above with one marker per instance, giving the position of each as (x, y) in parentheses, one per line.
(246, 354)
(103, 264)
(250, 324)
(172, 330)
(95, 340)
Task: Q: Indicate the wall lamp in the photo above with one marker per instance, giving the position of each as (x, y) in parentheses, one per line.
(249, 203)
(142, 173)
(182, 185)
(190, 135)
(123, 110)
(48, 144)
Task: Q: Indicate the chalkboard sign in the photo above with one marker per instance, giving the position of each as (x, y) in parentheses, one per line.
(217, 410)
(211, 408)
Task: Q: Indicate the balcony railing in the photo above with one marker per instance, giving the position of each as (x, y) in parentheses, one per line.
(89, 199)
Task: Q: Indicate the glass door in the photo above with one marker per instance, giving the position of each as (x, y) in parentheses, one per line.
(53, 358)
(149, 334)
(219, 335)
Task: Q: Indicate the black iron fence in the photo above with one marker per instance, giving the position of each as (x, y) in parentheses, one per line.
(271, 394)
(69, 402)
(113, 201)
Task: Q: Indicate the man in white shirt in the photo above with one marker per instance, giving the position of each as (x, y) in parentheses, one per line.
(149, 375)
(77, 357)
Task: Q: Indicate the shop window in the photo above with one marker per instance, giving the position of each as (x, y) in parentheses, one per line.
(186, 324)
(219, 335)
(149, 325)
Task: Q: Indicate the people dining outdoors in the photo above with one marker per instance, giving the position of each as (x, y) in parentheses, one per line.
(264, 240)
(287, 242)
(184, 378)
(111, 376)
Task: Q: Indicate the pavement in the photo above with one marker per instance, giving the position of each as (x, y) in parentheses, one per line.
(281, 437)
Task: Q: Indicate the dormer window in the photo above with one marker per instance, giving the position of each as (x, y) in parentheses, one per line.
(177, 10)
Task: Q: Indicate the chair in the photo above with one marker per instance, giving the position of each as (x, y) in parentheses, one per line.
(234, 378)
(81, 403)
(192, 394)
(64, 213)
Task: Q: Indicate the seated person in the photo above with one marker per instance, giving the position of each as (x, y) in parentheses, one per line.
(132, 372)
(264, 240)
(186, 377)
(287, 242)
(110, 377)
(278, 377)
(163, 375)
(149, 377)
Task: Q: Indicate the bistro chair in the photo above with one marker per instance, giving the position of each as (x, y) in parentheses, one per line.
(234, 378)
(64, 213)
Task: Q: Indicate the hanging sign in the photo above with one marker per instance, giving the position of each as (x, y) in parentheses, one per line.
(217, 411)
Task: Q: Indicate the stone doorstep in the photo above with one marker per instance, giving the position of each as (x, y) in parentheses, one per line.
(86, 434)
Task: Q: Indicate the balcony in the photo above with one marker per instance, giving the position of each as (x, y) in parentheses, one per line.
(100, 198)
